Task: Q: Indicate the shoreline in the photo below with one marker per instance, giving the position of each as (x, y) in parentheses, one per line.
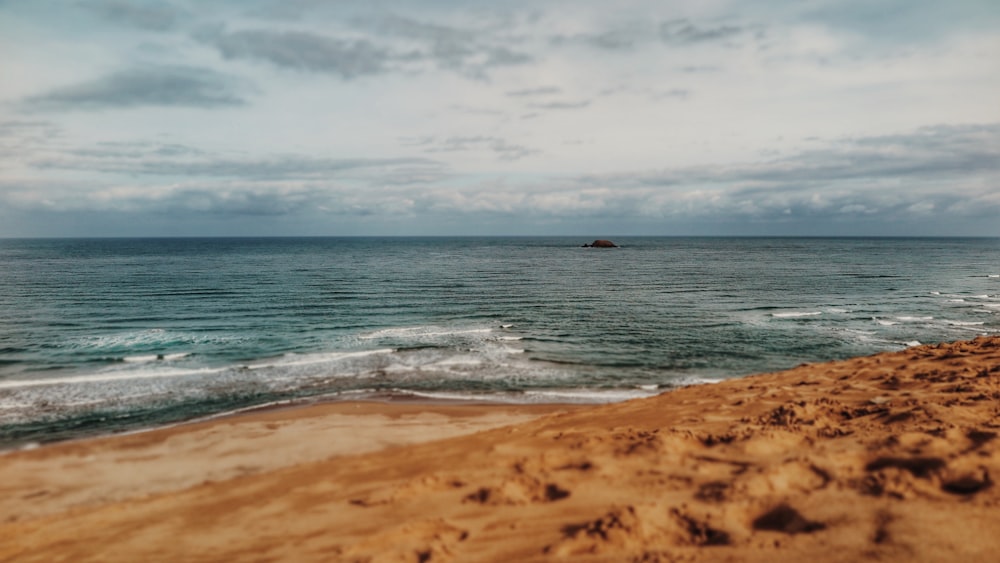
(386, 397)
(890, 456)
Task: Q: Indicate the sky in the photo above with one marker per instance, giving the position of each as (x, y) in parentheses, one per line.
(447, 117)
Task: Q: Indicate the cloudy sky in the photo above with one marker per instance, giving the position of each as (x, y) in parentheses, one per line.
(441, 117)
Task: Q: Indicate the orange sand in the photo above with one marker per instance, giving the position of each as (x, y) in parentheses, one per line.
(887, 458)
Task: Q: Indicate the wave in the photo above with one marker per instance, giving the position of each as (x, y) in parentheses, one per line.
(294, 359)
(153, 337)
(535, 396)
(106, 377)
(478, 358)
(155, 357)
(587, 395)
(796, 314)
(421, 332)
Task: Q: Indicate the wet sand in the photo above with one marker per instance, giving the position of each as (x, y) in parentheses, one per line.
(885, 458)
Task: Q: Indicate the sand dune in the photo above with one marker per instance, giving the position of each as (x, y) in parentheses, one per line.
(885, 458)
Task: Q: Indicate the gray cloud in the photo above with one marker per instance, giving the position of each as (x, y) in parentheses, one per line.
(415, 141)
(153, 16)
(674, 32)
(697, 69)
(470, 110)
(410, 175)
(950, 173)
(903, 21)
(450, 38)
(149, 161)
(540, 91)
(177, 86)
(133, 162)
(652, 94)
(296, 201)
(503, 149)
(395, 44)
(614, 40)
(678, 93)
(947, 170)
(23, 131)
(472, 52)
(683, 32)
(928, 152)
(19, 138)
(561, 105)
(243, 201)
(502, 56)
(301, 51)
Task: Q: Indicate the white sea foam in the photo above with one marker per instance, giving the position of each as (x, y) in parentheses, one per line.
(964, 323)
(884, 322)
(146, 339)
(535, 396)
(956, 301)
(913, 343)
(455, 396)
(155, 357)
(796, 314)
(137, 359)
(935, 293)
(910, 319)
(393, 369)
(458, 361)
(838, 310)
(506, 326)
(993, 276)
(421, 332)
(696, 380)
(293, 359)
(588, 395)
(107, 376)
(510, 338)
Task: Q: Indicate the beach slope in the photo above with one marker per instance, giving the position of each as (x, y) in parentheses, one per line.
(882, 458)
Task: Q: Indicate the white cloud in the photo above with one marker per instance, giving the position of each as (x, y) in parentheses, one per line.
(649, 116)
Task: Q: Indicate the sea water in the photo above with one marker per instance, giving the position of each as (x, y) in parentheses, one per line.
(104, 335)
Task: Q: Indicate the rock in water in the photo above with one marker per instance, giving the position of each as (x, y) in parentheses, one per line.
(601, 243)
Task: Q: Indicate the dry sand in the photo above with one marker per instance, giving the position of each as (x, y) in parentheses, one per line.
(887, 458)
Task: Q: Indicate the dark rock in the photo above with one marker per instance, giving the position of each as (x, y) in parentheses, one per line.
(600, 243)
(784, 518)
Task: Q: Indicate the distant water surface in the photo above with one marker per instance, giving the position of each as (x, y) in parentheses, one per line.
(103, 335)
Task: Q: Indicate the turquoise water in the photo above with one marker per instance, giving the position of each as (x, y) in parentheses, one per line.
(106, 335)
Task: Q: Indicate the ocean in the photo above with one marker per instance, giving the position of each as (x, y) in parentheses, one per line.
(108, 335)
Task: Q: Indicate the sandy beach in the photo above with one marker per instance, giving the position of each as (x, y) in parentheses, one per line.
(891, 457)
